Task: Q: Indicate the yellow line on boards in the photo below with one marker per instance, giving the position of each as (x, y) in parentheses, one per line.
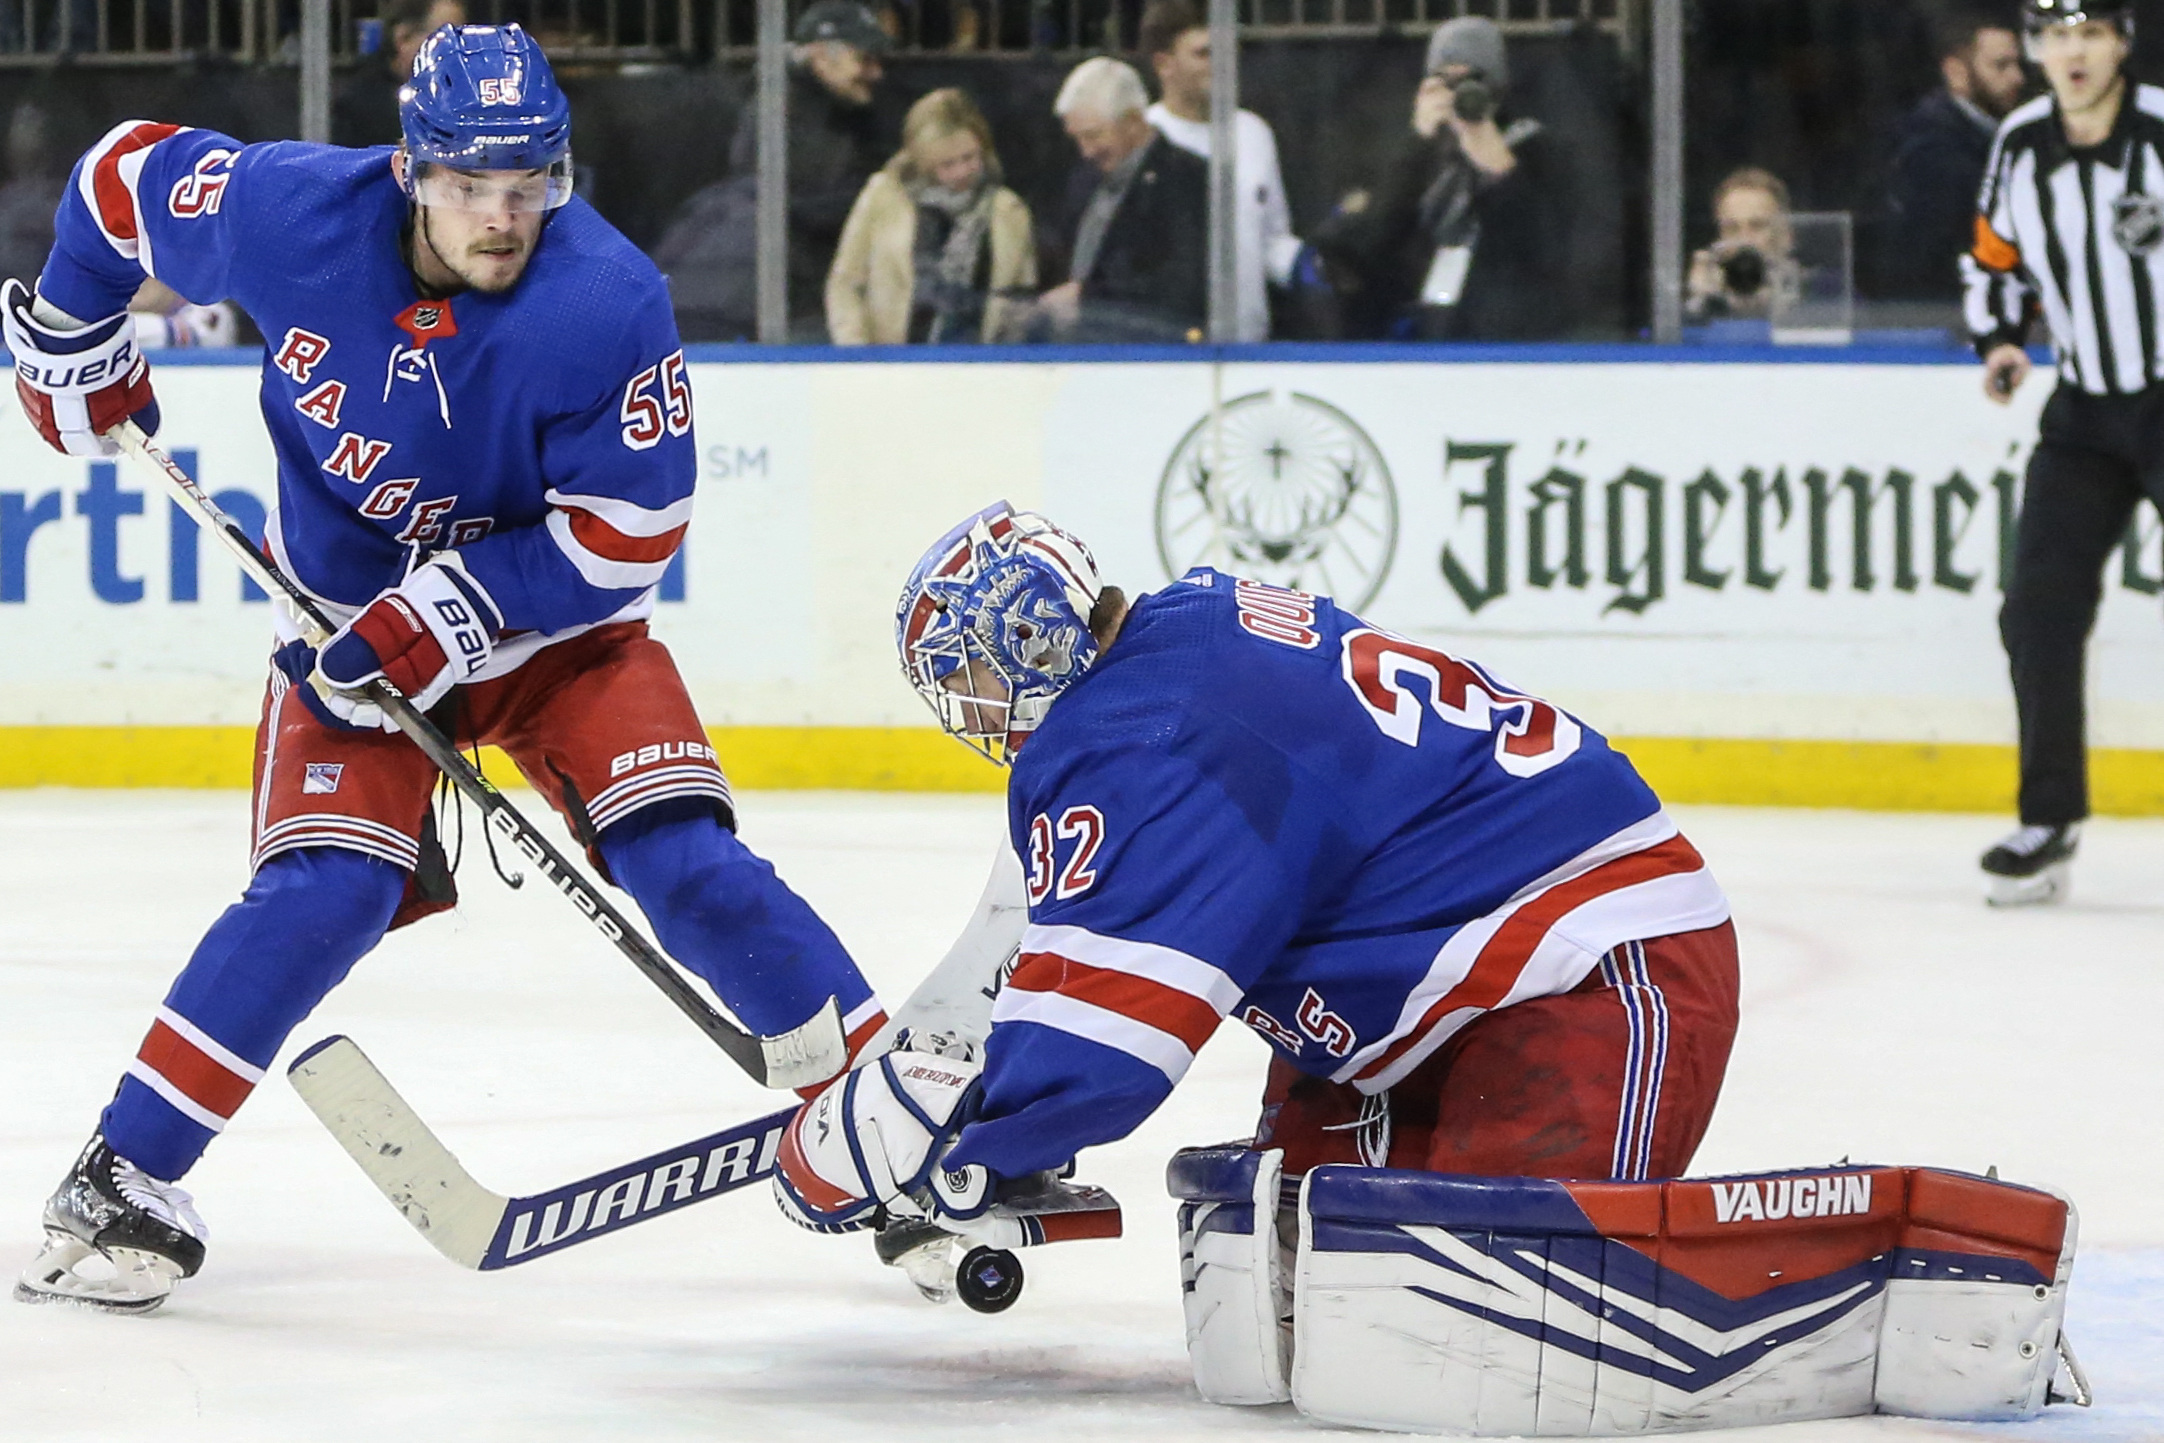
(1876, 776)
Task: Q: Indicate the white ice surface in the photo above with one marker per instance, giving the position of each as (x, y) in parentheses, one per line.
(1887, 1016)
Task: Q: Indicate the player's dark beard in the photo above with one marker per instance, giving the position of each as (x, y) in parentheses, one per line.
(419, 234)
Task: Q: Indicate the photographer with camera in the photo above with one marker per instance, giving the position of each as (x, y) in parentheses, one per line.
(1467, 234)
(1752, 258)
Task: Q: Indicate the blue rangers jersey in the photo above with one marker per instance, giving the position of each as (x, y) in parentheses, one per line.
(545, 432)
(1256, 805)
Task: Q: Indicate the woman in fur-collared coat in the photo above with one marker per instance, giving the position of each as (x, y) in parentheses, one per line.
(936, 250)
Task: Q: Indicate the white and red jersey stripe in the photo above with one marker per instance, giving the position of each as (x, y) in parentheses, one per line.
(1645, 881)
(110, 181)
(617, 544)
(1159, 1005)
(1153, 1003)
(201, 1078)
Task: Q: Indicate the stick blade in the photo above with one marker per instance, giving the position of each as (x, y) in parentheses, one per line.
(405, 1161)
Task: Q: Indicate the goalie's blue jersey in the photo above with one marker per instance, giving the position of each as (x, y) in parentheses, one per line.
(1255, 805)
(545, 431)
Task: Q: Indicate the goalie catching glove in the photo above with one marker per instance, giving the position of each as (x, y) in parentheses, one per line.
(873, 1141)
(423, 636)
(76, 380)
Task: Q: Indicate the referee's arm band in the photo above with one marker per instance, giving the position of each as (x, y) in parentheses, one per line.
(1993, 251)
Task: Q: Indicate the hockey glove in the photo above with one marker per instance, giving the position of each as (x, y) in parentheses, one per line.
(424, 636)
(873, 1140)
(76, 382)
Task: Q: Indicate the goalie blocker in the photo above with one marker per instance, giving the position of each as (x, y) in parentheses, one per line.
(1419, 1302)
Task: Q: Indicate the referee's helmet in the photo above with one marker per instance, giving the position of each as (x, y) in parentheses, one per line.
(2041, 15)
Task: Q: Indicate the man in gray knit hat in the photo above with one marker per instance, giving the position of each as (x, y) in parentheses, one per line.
(1466, 236)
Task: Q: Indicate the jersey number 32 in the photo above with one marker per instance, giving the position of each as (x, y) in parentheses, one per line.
(1530, 735)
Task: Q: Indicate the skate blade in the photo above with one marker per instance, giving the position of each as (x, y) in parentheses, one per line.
(2046, 888)
(139, 1283)
(930, 1267)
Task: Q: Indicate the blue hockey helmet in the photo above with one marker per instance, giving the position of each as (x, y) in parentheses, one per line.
(482, 98)
(993, 625)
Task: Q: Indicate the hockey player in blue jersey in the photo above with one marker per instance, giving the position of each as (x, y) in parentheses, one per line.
(1500, 991)
(482, 424)
(1474, 939)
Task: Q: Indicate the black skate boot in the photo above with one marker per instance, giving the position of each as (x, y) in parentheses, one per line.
(2031, 867)
(116, 1238)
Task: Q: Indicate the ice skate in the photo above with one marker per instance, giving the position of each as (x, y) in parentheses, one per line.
(2033, 866)
(116, 1238)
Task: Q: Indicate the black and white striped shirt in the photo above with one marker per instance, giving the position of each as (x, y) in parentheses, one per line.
(2078, 234)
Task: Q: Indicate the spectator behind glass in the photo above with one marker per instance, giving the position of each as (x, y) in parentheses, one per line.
(1176, 38)
(1940, 149)
(1137, 220)
(936, 250)
(710, 250)
(1467, 235)
(36, 176)
(365, 108)
(1752, 258)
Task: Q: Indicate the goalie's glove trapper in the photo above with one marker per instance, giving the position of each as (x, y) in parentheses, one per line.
(869, 1147)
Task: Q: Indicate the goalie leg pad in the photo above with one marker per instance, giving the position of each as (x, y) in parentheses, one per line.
(1976, 1300)
(1498, 1306)
(1235, 1286)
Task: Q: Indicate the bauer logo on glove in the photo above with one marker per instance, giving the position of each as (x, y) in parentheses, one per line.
(76, 380)
(423, 636)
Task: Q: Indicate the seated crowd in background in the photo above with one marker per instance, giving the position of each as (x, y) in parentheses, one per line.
(1474, 217)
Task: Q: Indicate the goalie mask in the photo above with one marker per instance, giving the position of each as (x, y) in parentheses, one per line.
(993, 625)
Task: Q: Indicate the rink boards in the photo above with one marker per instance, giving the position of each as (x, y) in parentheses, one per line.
(1776, 581)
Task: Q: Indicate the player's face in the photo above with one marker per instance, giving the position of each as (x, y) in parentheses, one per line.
(2082, 62)
(984, 714)
(486, 240)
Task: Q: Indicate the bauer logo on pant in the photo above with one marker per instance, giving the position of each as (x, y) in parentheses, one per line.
(322, 777)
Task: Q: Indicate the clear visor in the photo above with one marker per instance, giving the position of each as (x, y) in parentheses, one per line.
(495, 192)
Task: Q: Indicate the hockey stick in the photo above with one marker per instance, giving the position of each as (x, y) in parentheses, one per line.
(811, 1053)
(479, 1228)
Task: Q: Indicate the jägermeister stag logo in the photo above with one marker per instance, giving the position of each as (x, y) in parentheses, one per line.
(1284, 489)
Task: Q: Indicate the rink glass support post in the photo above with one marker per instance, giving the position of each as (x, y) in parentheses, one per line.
(316, 71)
(1667, 190)
(773, 156)
(1224, 171)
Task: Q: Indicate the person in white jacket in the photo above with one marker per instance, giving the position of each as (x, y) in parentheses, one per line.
(1175, 36)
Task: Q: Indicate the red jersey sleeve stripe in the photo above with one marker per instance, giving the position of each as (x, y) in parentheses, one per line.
(114, 193)
(1169, 1010)
(1496, 970)
(606, 542)
(202, 1078)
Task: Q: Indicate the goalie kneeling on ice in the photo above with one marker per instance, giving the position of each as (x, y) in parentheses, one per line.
(1495, 1306)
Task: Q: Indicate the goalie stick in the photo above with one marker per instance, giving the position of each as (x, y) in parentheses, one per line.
(477, 1227)
(811, 1053)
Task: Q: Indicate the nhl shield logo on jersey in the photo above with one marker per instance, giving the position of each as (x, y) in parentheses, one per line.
(1283, 488)
(2137, 223)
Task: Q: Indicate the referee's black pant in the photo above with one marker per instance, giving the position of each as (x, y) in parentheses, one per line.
(2096, 457)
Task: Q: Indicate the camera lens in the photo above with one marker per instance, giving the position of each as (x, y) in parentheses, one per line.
(1744, 273)
(1473, 100)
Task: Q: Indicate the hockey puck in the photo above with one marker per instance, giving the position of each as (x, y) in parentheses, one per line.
(989, 1280)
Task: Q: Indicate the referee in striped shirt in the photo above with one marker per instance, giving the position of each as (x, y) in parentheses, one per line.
(2071, 225)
